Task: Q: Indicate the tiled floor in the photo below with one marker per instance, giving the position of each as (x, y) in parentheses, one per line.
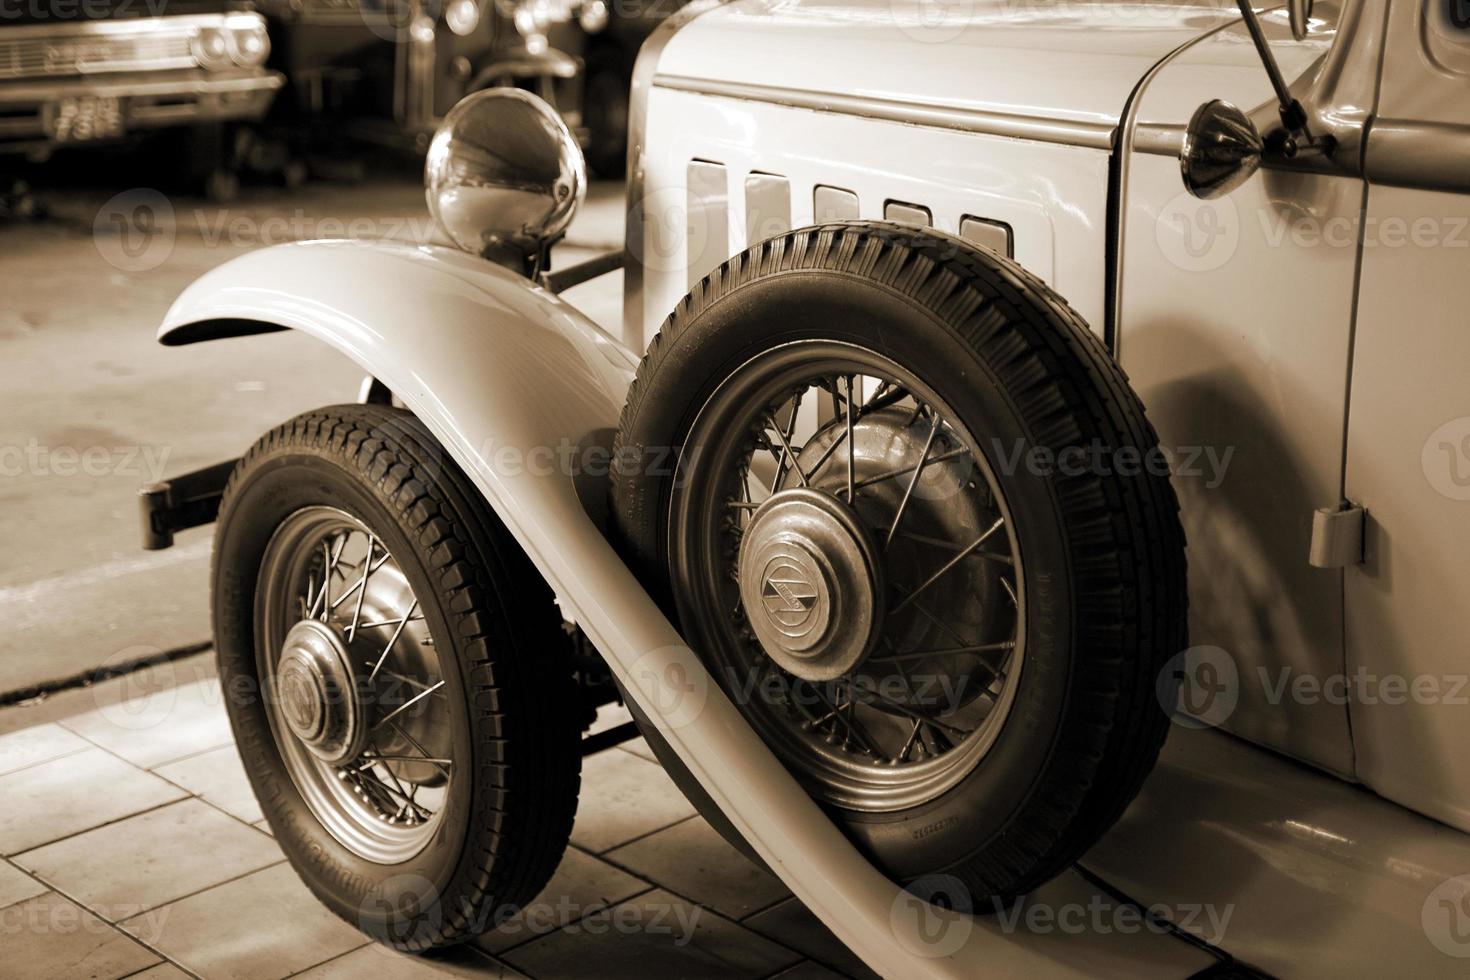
(131, 846)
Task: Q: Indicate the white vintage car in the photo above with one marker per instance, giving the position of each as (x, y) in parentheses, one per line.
(877, 539)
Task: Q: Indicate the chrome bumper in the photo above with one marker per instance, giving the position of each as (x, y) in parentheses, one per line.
(150, 100)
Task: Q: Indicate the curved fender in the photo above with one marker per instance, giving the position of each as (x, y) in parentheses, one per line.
(505, 375)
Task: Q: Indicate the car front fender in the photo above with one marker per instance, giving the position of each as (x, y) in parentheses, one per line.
(514, 382)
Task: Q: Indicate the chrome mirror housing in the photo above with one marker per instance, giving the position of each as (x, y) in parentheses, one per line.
(1221, 149)
(504, 177)
(1300, 12)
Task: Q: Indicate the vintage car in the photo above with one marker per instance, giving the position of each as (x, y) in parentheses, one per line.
(882, 546)
(82, 73)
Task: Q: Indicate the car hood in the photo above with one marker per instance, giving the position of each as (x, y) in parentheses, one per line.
(1076, 62)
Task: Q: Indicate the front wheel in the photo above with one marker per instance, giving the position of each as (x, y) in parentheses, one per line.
(903, 534)
(396, 675)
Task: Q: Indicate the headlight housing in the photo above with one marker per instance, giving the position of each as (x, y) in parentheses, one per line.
(504, 177)
(240, 41)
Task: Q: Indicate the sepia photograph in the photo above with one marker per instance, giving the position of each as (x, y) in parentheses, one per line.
(734, 489)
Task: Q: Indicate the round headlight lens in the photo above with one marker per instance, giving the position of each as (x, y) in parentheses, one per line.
(503, 176)
(251, 47)
(211, 48)
(462, 16)
(593, 16)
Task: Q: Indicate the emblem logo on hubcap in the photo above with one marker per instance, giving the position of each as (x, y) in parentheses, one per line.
(788, 595)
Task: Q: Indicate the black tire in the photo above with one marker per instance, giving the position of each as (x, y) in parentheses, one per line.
(1104, 554)
(501, 652)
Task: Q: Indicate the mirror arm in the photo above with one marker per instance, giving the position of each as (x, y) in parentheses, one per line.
(1296, 137)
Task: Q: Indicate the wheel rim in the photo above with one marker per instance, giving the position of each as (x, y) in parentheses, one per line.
(850, 566)
(353, 688)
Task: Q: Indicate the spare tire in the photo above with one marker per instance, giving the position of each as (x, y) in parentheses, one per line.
(915, 532)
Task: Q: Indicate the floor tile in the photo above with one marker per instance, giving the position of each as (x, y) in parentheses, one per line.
(693, 860)
(376, 962)
(263, 926)
(39, 744)
(74, 793)
(166, 971)
(219, 777)
(16, 885)
(48, 937)
(624, 797)
(154, 858)
(653, 935)
(161, 726)
(792, 924)
(582, 884)
(609, 716)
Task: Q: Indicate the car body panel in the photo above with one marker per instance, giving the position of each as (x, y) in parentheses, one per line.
(1074, 62)
(1311, 876)
(505, 375)
(1238, 342)
(1408, 453)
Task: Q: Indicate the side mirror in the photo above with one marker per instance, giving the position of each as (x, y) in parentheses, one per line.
(1299, 11)
(1221, 150)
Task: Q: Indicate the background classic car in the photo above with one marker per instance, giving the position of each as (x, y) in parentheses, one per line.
(69, 78)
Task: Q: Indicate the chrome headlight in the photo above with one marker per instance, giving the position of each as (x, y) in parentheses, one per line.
(504, 177)
(462, 16)
(251, 45)
(211, 47)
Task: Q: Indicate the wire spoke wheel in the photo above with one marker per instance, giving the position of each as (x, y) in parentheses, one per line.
(855, 574)
(353, 687)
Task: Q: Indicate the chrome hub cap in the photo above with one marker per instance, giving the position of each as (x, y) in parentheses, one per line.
(810, 581)
(319, 694)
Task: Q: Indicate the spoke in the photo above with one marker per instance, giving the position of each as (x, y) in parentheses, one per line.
(999, 523)
(420, 685)
(903, 753)
(403, 794)
(913, 482)
(406, 705)
(329, 565)
(388, 647)
(415, 744)
(851, 445)
(361, 587)
(849, 724)
(390, 622)
(1010, 590)
(741, 504)
(949, 546)
(795, 464)
(786, 442)
(946, 651)
(411, 758)
(357, 587)
(904, 709)
(900, 471)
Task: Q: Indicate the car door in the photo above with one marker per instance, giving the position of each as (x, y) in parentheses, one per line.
(1234, 321)
(1408, 453)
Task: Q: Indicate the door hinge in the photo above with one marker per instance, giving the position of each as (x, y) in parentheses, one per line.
(1337, 536)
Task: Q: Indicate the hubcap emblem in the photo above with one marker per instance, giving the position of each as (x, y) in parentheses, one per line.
(810, 581)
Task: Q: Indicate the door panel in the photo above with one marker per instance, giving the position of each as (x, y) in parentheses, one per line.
(1235, 329)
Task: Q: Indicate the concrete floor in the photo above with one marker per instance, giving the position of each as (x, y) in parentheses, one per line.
(95, 409)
